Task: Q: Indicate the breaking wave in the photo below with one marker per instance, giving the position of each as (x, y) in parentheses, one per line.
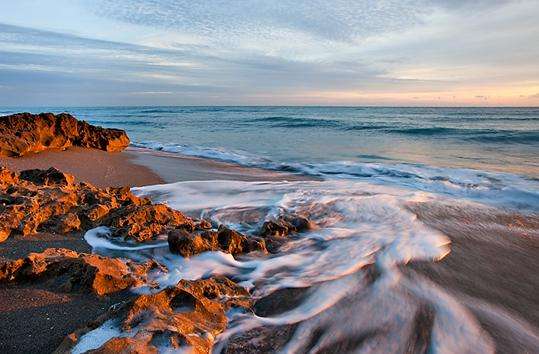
(499, 189)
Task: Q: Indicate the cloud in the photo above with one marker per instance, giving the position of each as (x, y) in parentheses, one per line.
(339, 20)
(256, 51)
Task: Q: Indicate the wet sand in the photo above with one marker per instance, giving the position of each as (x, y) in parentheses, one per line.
(37, 317)
(174, 168)
(98, 167)
(140, 167)
(493, 269)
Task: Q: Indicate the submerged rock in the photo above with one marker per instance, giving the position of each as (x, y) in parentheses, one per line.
(25, 133)
(188, 244)
(70, 270)
(275, 232)
(285, 225)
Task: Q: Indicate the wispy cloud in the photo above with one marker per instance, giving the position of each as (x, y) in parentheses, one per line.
(261, 52)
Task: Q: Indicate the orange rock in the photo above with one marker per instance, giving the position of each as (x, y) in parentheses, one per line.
(24, 133)
(138, 345)
(188, 244)
(7, 178)
(49, 200)
(189, 315)
(145, 222)
(50, 177)
(101, 275)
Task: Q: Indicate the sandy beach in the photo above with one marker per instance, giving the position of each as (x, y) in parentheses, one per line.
(139, 167)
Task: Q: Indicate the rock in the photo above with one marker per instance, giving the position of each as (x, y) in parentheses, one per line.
(145, 222)
(273, 228)
(7, 178)
(140, 344)
(50, 201)
(72, 271)
(203, 225)
(230, 240)
(67, 223)
(25, 133)
(50, 177)
(284, 225)
(188, 316)
(188, 244)
(275, 232)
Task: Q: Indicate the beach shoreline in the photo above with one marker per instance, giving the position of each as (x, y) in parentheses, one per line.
(136, 167)
(517, 247)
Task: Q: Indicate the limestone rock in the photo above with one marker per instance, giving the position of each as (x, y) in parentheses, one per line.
(284, 225)
(50, 201)
(144, 222)
(25, 133)
(71, 271)
(188, 316)
(275, 232)
(188, 244)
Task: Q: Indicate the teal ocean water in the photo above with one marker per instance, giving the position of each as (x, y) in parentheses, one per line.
(483, 138)
(479, 152)
(487, 138)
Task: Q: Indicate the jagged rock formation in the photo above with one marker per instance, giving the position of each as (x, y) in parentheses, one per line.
(285, 225)
(25, 133)
(35, 201)
(187, 316)
(50, 201)
(70, 271)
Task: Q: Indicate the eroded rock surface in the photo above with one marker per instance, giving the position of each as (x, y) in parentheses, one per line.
(49, 200)
(25, 133)
(224, 239)
(71, 271)
(275, 232)
(285, 225)
(187, 316)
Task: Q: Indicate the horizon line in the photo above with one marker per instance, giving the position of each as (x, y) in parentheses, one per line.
(246, 106)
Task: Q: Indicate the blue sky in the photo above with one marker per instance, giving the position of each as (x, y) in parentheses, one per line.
(277, 52)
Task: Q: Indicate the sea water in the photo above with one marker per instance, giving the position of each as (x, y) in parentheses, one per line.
(497, 139)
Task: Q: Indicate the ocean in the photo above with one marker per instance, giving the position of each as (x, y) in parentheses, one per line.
(492, 139)
(426, 221)
(490, 153)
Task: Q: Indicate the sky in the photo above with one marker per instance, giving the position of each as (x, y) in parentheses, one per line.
(269, 52)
